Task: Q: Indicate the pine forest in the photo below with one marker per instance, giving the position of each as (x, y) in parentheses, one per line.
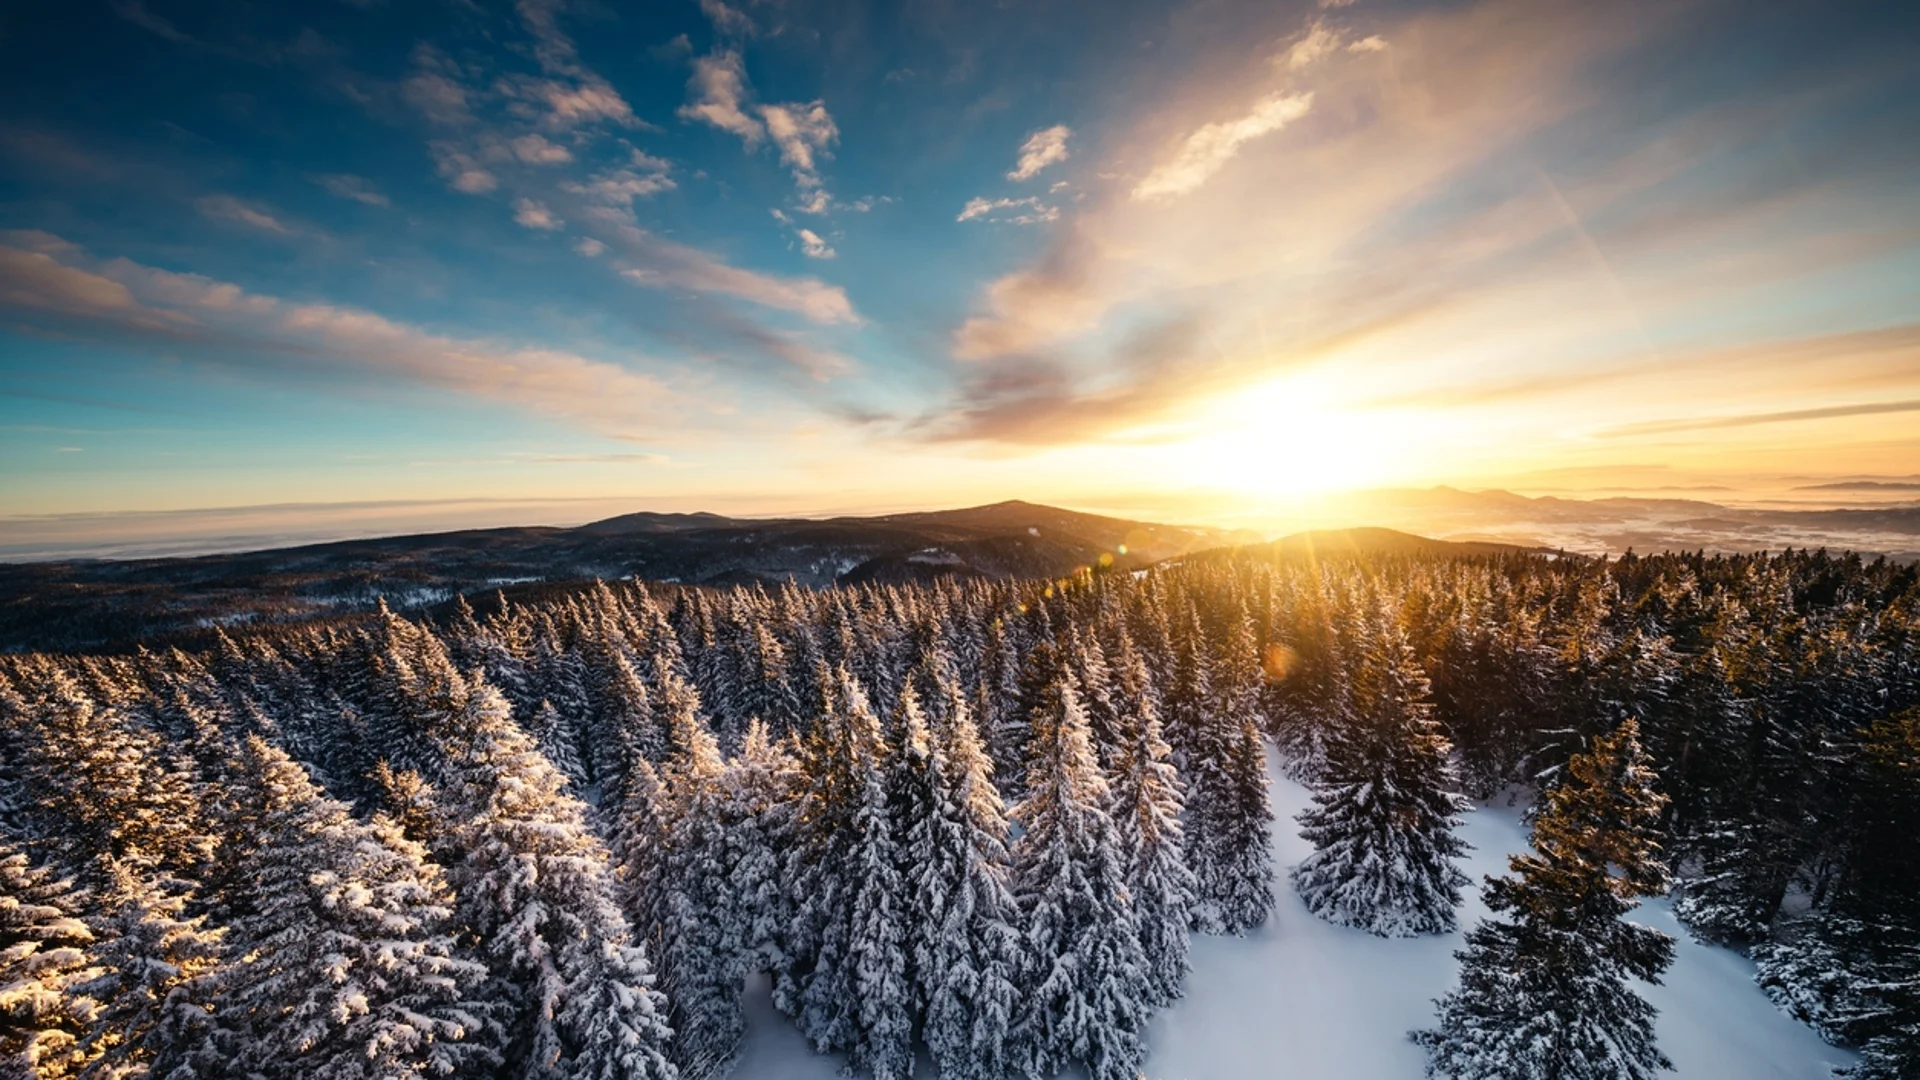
(968, 827)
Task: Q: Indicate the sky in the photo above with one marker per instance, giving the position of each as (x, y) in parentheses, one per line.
(347, 264)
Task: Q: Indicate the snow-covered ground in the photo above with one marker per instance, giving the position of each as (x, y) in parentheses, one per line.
(1303, 999)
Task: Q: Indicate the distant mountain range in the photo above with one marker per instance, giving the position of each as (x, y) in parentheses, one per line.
(1614, 525)
(81, 604)
(89, 603)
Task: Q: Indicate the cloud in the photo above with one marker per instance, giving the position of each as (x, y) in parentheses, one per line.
(620, 186)
(462, 172)
(562, 105)
(812, 245)
(1739, 420)
(1045, 147)
(721, 97)
(1318, 41)
(1385, 229)
(589, 247)
(573, 95)
(530, 214)
(33, 281)
(727, 20)
(435, 89)
(1372, 43)
(801, 131)
(252, 215)
(535, 149)
(629, 458)
(357, 188)
(1034, 400)
(653, 262)
(983, 209)
(1208, 150)
(247, 329)
(719, 92)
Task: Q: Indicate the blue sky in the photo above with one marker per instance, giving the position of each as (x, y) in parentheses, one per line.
(784, 256)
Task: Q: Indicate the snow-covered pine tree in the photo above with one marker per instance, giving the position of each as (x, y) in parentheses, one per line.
(636, 844)
(554, 735)
(96, 788)
(757, 828)
(623, 732)
(1223, 764)
(1084, 987)
(1856, 980)
(1543, 992)
(1852, 970)
(878, 932)
(1239, 885)
(692, 898)
(46, 956)
(966, 948)
(1147, 806)
(534, 890)
(342, 964)
(1384, 802)
(846, 986)
(151, 955)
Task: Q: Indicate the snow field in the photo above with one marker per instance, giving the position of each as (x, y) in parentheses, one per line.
(1303, 999)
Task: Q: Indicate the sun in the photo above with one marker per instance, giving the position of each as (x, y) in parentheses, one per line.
(1295, 435)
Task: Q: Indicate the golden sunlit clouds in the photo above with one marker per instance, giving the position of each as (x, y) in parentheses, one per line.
(1404, 280)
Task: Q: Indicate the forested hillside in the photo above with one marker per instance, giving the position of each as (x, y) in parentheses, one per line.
(969, 821)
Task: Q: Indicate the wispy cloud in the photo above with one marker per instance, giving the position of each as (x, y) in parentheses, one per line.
(802, 132)
(727, 20)
(461, 170)
(357, 188)
(1027, 211)
(125, 298)
(1739, 420)
(536, 149)
(654, 262)
(813, 246)
(720, 96)
(253, 215)
(1208, 149)
(643, 178)
(571, 94)
(531, 214)
(1045, 147)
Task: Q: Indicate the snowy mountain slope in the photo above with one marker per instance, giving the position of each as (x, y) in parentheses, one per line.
(1302, 999)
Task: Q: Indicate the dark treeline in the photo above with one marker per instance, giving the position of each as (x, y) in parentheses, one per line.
(972, 821)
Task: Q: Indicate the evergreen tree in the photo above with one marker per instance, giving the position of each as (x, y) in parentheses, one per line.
(152, 957)
(1085, 987)
(1543, 992)
(967, 953)
(846, 985)
(1856, 980)
(1147, 805)
(699, 971)
(1852, 970)
(45, 958)
(757, 826)
(1382, 824)
(341, 965)
(534, 890)
(96, 788)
